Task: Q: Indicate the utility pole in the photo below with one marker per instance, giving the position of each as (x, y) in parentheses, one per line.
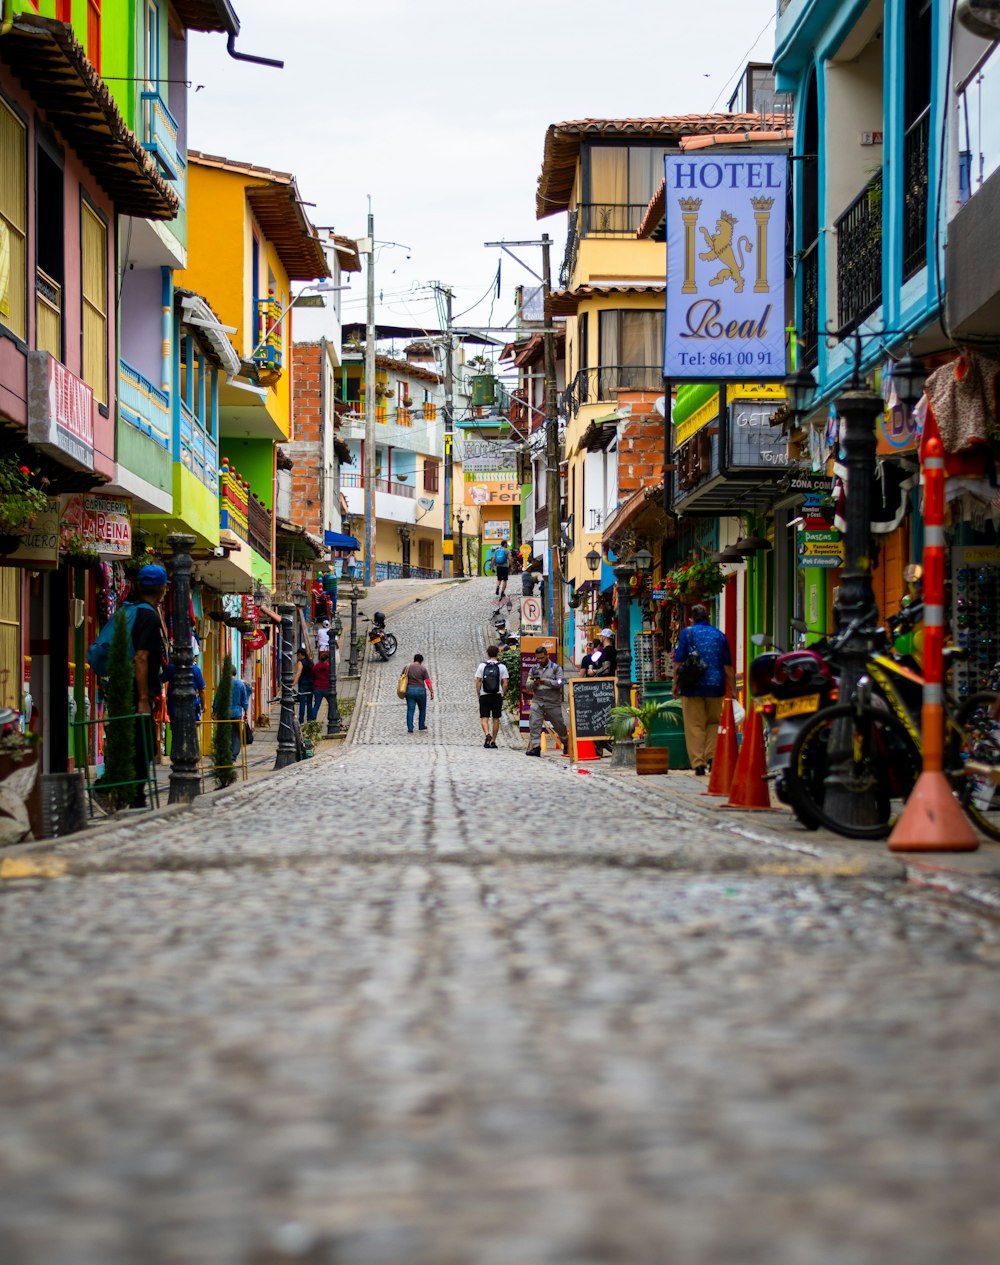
(552, 489)
(447, 542)
(368, 474)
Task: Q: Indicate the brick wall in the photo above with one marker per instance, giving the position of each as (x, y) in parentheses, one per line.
(640, 443)
(305, 450)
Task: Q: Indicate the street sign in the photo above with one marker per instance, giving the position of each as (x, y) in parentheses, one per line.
(821, 549)
(825, 561)
(531, 615)
(819, 537)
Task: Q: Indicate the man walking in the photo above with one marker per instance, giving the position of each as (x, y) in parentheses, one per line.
(491, 684)
(545, 680)
(149, 657)
(703, 673)
(501, 561)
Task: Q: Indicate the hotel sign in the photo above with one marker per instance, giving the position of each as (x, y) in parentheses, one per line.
(60, 411)
(725, 219)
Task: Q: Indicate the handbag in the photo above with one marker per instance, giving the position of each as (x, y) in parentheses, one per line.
(401, 684)
(247, 733)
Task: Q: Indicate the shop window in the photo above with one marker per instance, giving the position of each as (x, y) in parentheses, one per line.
(13, 223)
(620, 180)
(94, 33)
(431, 475)
(94, 271)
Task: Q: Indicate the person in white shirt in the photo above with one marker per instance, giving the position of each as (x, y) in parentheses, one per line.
(323, 636)
(491, 685)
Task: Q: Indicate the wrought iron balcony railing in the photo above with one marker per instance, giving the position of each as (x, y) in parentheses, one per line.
(259, 522)
(809, 272)
(611, 219)
(159, 134)
(572, 248)
(859, 256)
(600, 384)
(915, 190)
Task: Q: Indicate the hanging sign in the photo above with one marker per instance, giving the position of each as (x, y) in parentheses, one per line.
(531, 615)
(725, 218)
(38, 547)
(102, 522)
(60, 411)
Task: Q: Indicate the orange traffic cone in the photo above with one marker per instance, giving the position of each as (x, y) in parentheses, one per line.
(586, 750)
(726, 753)
(750, 788)
(932, 820)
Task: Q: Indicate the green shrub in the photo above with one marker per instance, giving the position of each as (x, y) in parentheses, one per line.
(224, 766)
(119, 730)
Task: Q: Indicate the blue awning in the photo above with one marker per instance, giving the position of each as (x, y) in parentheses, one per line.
(337, 540)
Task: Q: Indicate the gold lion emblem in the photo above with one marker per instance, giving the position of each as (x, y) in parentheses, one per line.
(721, 247)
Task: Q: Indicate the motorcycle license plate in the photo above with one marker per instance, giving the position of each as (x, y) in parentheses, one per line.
(796, 706)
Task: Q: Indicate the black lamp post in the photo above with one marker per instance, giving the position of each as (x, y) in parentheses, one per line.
(460, 520)
(623, 755)
(185, 784)
(352, 666)
(593, 560)
(286, 726)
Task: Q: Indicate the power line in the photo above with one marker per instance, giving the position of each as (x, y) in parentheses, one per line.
(742, 61)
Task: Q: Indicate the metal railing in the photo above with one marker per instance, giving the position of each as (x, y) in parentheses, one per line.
(611, 219)
(572, 249)
(199, 451)
(859, 256)
(916, 186)
(268, 354)
(390, 486)
(394, 571)
(159, 133)
(809, 272)
(600, 383)
(143, 405)
(259, 527)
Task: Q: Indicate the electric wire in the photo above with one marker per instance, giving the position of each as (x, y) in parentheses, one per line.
(742, 62)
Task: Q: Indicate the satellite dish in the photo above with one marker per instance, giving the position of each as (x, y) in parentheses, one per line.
(425, 502)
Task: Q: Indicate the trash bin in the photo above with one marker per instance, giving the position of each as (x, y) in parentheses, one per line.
(665, 734)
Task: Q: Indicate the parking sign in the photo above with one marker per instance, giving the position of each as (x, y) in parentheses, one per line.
(531, 614)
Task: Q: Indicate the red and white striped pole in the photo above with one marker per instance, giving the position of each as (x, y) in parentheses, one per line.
(932, 820)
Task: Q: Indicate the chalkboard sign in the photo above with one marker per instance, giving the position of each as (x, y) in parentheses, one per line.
(590, 702)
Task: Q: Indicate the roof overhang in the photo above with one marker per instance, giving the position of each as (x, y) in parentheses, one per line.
(295, 542)
(347, 249)
(47, 58)
(563, 141)
(642, 514)
(208, 327)
(566, 302)
(208, 15)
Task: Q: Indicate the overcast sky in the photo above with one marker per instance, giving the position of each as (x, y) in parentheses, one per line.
(438, 111)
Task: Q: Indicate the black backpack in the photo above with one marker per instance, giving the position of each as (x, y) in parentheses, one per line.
(691, 668)
(491, 678)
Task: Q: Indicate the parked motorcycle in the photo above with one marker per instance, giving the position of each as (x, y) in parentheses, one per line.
(382, 642)
(788, 687)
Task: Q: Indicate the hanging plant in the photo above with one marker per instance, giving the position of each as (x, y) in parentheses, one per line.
(76, 545)
(692, 581)
(20, 502)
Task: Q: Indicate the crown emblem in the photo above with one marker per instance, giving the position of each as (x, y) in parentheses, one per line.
(689, 204)
(762, 204)
(728, 217)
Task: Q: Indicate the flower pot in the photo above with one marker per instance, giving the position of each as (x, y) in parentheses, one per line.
(692, 597)
(9, 541)
(652, 760)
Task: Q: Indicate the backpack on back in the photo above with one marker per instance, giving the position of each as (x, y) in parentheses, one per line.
(99, 653)
(491, 678)
(501, 557)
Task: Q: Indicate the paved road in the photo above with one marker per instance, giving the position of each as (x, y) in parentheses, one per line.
(427, 1004)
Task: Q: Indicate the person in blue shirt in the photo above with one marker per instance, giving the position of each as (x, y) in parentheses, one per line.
(701, 697)
(239, 701)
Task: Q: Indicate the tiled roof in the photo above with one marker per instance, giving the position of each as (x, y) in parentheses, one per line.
(347, 249)
(48, 59)
(566, 302)
(208, 15)
(277, 204)
(406, 369)
(562, 145)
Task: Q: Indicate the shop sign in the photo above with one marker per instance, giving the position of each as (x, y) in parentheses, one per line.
(500, 489)
(830, 561)
(896, 432)
(698, 420)
(60, 411)
(39, 547)
(496, 529)
(753, 442)
(820, 537)
(725, 299)
(657, 595)
(103, 522)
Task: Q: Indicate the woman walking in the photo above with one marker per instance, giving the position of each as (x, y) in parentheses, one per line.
(418, 687)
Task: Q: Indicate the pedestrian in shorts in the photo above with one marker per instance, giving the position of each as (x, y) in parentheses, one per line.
(501, 561)
(491, 684)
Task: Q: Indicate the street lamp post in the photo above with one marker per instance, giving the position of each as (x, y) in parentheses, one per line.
(185, 784)
(593, 561)
(623, 755)
(286, 726)
(460, 561)
(352, 666)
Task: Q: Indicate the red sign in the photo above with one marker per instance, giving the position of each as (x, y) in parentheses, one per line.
(60, 410)
(256, 641)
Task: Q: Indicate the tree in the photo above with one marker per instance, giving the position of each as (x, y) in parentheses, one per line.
(119, 730)
(224, 764)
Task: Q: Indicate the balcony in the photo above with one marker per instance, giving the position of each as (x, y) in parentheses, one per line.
(260, 528)
(611, 219)
(394, 434)
(572, 250)
(809, 272)
(395, 502)
(600, 384)
(389, 486)
(48, 314)
(159, 134)
(199, 452)
(234, 503)
(859, 256)
(915, 191)
(973, 291)
(143, 405)
(268, 354)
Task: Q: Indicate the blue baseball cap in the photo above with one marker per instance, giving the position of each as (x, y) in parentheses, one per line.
(152, 576)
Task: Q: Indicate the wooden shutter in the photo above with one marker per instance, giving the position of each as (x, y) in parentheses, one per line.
(13, 223)
(94, 269)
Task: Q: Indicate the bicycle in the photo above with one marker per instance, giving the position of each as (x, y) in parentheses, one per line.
(869, 746)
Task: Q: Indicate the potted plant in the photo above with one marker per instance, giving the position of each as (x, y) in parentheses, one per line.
(20, 503)
(407, 401)
(311, 732)
(624, 722)
(693, 581)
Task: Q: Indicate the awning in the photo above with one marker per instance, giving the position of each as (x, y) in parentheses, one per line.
(337, 540)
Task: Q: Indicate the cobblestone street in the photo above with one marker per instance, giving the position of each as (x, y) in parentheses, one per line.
(421, 1003)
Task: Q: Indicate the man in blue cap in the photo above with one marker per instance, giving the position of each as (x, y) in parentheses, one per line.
(149, 657)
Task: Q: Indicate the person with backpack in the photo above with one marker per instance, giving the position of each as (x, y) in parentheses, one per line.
(501, 563)
(491, 685)
(703, 673)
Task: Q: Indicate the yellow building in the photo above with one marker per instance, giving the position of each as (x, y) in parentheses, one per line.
(249, 240)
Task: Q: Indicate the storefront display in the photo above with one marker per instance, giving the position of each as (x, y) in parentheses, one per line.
(975, 610)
